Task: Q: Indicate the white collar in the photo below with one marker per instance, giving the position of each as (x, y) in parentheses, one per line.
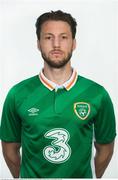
(51, 85)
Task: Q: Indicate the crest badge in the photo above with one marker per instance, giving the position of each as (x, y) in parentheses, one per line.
(82, 110)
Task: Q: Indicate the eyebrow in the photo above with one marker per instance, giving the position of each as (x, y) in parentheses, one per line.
(53, 34)
(47, 34)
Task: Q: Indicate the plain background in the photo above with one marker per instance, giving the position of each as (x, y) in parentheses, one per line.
(95, 57)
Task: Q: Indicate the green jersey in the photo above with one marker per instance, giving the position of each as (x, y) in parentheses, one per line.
(56, 126)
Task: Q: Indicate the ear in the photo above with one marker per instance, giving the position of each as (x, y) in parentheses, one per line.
(38, 45)
(74, 44)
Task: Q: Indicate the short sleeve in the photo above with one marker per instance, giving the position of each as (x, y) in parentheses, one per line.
(10, 130)
(105, 126)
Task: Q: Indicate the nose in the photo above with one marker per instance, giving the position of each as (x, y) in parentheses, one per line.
(56, 42)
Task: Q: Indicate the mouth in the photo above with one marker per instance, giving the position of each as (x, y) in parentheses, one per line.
(56, 52)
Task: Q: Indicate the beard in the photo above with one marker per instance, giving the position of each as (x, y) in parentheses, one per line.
(54, 64)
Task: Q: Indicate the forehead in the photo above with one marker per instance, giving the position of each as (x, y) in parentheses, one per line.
(52, 26)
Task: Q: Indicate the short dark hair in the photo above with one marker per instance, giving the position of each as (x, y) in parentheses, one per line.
(56, 16)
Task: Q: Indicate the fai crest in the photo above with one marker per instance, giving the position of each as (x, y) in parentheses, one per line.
(82, 110)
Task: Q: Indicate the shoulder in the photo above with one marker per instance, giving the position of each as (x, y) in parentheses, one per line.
(24, 86)
(26, 82)
(86, 81)
(91, 86)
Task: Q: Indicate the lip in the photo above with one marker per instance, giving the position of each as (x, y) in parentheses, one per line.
(56, 52)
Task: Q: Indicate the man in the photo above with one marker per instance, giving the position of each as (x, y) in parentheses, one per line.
(55, 115)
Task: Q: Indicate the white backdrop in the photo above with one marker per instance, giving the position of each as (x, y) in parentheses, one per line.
(95, 57)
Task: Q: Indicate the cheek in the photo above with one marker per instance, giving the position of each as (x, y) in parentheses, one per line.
(45, 47)
(68, 45)
(67, 48)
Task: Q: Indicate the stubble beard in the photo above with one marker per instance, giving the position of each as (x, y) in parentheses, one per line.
(55, 64)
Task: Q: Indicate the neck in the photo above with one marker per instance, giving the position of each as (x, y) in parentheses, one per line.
(58, 76)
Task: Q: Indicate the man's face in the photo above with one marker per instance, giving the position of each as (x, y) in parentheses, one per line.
(56, 43)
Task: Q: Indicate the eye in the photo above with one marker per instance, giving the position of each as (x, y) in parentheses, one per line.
(64, 37)
(48, 37)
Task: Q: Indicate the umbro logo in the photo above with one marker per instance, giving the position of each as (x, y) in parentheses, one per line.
(33, 111)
